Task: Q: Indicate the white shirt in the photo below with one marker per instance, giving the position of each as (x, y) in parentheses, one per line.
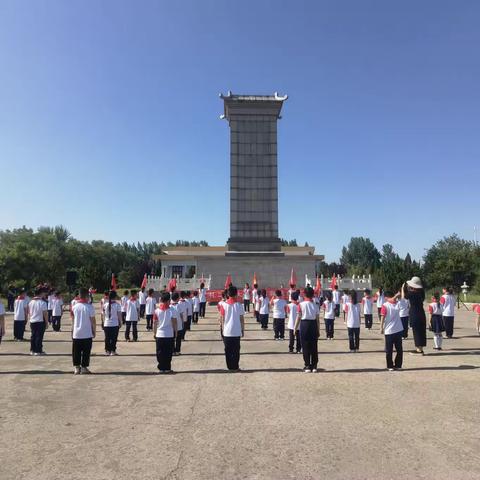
(336, 297)
(164, 318)
(56, 303)
(367, 303)
(246, 294)
(188, 303)
(196, 304)
(2, 309)
(202, 295)
(448, 303)
(404, 307)
(392, 323)
(435, 309)
(178, 310)
(254, 295)
(231, 312)
(19, 309)
(290, 291)
(123, 303)
(49, 302)
(132, 311)
(345, 300)
(35, 310)
(329, 310)
(380, 299)
(309, 310)
(150, 306)
(353, 315)
(263, 305)
(82, 324)
(112, 319)
(292, 315)
(279, 305)
(142, 298)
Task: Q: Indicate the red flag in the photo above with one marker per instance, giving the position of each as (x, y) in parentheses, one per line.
(144, 282)
(254, 279)
(228, 281)
(333, 283)
(293, 278)
(318, 286)
(113, 284)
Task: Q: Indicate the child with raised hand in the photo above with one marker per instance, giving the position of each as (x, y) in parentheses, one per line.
(329, 315)
(352, 310)
(436, 321)
(391, 325)
(179, 315)
(404, 307)
(294, 336)
(279, 312)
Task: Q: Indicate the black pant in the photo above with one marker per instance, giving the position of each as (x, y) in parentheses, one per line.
(149, 322)
(165, 348)
(329, 327)
(292, 336)
(56, 321)
(232, 352)
(124, 317)
(133, 326)
(257, 316)
(309, 340)
(279, 327)
(10, 302)
(178, 340)
(81, 348)
(368, 320)
(36, 340)
(111, 336)
(337, 310)
(142, 310)
(246, 305)
(19, 329)
(405, 326)
(50, 316)
(448, 323)
(202, 309)
(195, 317)
(188, 323)
(264, 320)
(354, 338)
(394, 339)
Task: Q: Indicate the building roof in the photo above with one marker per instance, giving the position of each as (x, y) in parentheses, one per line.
(252, 104)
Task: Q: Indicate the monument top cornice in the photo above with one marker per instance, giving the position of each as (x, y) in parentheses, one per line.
(252, 104)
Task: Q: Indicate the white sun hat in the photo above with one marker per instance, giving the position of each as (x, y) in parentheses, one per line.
(415, 282)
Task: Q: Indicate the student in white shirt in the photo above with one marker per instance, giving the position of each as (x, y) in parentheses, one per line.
(232, 323)
(103, 302)
(256, 306)
(142, 300)
(379, 300)
(131, 319)
(404, 310)
(180, 315)
(188, 310)
(448, 308)
(165, 328)
(57, 304)
(279, 313)
(196, 307)
(352, 310)
(391, 325)
(309, 324)
(123, 304)
(329, 316)
(83, 333)
(345, 300)
(246, 298)
(49, 305)
(290, 291)
(367, 303)
(436, 321)
(263, 309)
(336, 300)
(202, 296)
(38, 316)
(20, 314)
(112, 314)
(2, 321)
(294, 337)
(150, 304)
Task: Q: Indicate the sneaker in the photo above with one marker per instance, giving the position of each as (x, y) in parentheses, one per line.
(314, 370)
(76, 371)
(113, 354)
(36, 354)
(42, 353)
(291, 351)
(307, 370)
(85, 371)
(108, 353)
(299, 351)
(391, 369)
(31, 353)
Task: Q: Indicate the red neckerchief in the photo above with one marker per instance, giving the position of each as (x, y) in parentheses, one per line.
(295, 302)
(232, 300)
(308, 300)
(164, 306)
(133, 299)
(82, 300)
(392, 301)
(21, 297)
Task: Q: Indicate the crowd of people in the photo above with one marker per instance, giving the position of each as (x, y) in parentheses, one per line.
(171, 315)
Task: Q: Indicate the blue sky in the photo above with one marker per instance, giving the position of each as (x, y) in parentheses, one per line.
(109, 117)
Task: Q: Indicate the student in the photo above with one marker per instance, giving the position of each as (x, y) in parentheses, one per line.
(165, 328)
(448, 307)
(391, 325)
(179, 314)
(476, 310)
(309, 325)
(189, 309)
(112, 313)
(202, 296)
(329, 316)
(292, 310)
(353, 322)
(83, 333)
(196, 307)
(49, 305)
(219, 308)
(131, 319)
(38, 317)
(2, 321)
(142, 300)
(123, 304)
(103, 302)
(11, 294)
(291, 290)
(404, 309)
(233, 327)
(246, 298)
(150, 303)
(57, 304)
(263, 309)
(300, 298)
(255, 295)
(336, 300)
(20, 314)
(279, 312)
(344, 301)
(367, 303)
(379, 300)
(436, 321)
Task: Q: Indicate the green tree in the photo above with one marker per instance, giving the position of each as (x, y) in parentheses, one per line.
(360, 256)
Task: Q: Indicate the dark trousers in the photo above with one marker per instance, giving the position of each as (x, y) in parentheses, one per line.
(165, 348)
(309, 341)
(49, 316)
(149, 322)
(81, 348)
(178, 340)
(10, 303)
(448, 323)
(188, 323)
(232, 352)
(337, 310)
(379, 312)
(257, 316)
(292, 336)
(279, 327)
(202, 309)
(133, 326)
(124, 317)
(405, 326)
(36, 340)
(368, 320)
(56, 321)
(354, 338)
(111, 336)
(246, 305)
(329, 327)
(195, 317)
(19, 329)
(394, 340)
(264, 320)
(142, 310)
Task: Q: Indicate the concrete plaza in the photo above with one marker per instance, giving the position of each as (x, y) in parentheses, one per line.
(353, 420)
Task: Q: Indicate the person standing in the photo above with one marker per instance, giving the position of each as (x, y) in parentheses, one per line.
(352, 309)
(202, 296)
(57, 303)
(263, 309)
(150, 303)
(336, 300)
(436, 321)
(294, 336)
(83, 333)
(38, 317)
(20, 314)
(246, 298)
(11, 293)
(255, 295)
(112, 314)
(345, 300)
(367, 303)
(131, 319)
(404, 308)
(391, 326)
(279, 312)
(165, 328)
(448, 301)
(123, 304)
(2, 321)
(379, 299)
(329, 316)
(179, 314)
(413, 291)
(233, 328)
(196, 307)
(142, 300)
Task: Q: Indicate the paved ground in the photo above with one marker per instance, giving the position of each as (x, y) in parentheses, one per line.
(354, 420)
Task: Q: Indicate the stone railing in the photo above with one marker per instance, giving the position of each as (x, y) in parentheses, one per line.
(160, 283)
(356, 282)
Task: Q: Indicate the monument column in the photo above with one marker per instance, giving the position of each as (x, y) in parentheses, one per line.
(253, 172)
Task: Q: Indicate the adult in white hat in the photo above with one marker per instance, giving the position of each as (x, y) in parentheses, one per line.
(414, 292)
